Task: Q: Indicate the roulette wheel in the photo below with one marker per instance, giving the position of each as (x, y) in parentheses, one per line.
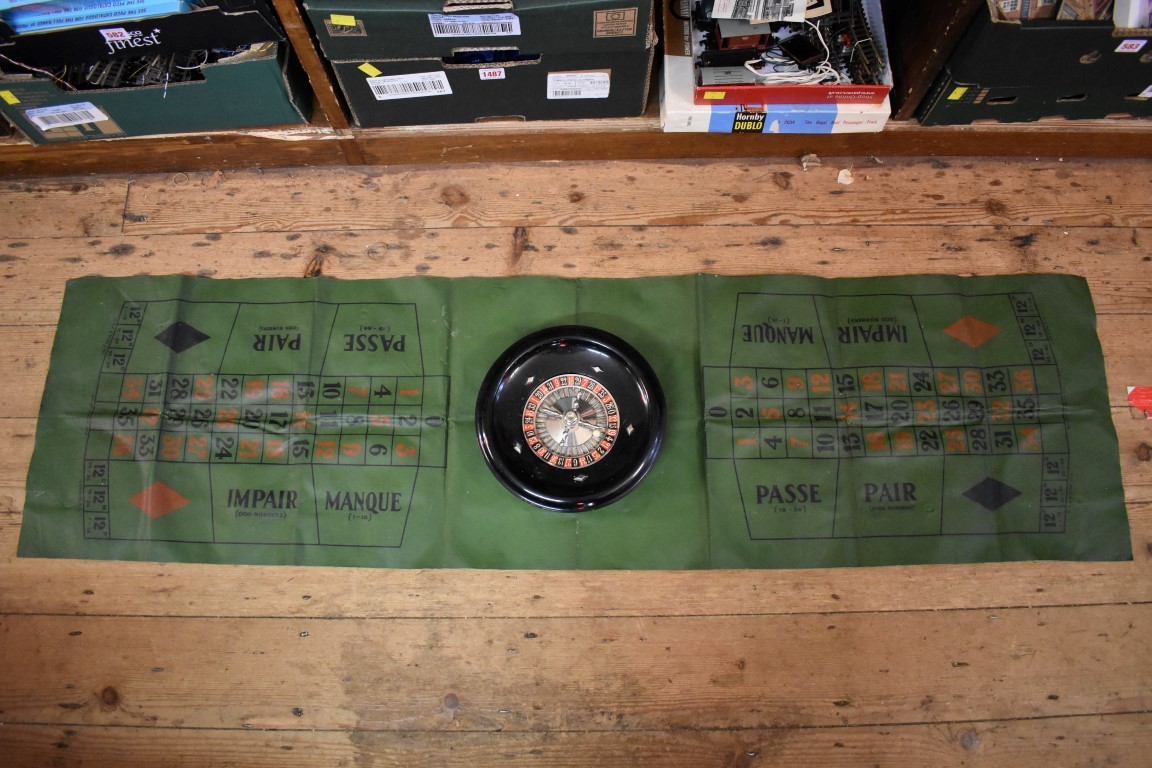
(570, 418)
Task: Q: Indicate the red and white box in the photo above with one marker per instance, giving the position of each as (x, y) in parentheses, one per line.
(712, 93)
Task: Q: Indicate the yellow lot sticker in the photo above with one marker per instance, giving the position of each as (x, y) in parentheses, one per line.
(341, 20)
(369, 70)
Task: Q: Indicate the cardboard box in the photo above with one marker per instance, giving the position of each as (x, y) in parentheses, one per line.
(679, 112)
(713, 86)
(552, 61)
(264, 88)
(370, 30)
(1024, 71)
(224, 24)
(553, 87)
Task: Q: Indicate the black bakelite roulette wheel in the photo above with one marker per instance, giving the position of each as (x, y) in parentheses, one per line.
(570, 418)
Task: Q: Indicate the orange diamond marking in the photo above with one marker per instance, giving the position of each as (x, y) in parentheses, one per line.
(158, 500)
(971, 331)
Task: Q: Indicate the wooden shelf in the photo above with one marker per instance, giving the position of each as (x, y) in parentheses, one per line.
(629, 139)
(331, 142)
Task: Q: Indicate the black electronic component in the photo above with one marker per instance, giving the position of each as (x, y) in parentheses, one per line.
(732, 57)
(801, 50)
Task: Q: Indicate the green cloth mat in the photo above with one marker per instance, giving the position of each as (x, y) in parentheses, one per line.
(811, 422)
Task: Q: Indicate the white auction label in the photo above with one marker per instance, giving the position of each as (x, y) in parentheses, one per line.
(409, 86)
(481, 25)
(115, 33)
(593, 84)
(65, 115)
(1131, 46)
(496, 73)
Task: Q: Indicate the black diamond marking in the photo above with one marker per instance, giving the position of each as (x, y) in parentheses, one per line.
(991, 494)
(180, 337)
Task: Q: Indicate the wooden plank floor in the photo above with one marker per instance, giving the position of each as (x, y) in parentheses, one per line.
(1017, 664)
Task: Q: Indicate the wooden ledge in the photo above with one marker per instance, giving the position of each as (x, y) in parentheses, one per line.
(625, 139)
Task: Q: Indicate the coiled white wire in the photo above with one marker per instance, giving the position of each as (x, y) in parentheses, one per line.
(823, 72)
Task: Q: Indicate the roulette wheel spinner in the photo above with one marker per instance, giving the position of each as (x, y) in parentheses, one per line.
(570, 418)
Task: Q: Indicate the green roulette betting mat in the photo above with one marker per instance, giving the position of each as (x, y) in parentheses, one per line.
(808, 423)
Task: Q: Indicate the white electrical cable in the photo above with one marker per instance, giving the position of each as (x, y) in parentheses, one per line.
(195, 66)
(823, 72)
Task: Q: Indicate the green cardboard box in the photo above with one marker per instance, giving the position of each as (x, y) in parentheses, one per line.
(1020, 71)
(211, 24)
(549, 87)
(403, 29)
(262, 87)
(421, 62)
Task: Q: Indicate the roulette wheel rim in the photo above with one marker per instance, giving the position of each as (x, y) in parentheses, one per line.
(570, 418)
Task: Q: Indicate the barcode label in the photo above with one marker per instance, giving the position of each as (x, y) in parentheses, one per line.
(47, 118)
(579, 85)
(483, 25)
(409, 86)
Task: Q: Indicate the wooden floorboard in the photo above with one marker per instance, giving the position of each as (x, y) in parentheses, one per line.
(1025, 743)
(583, 674)
(90, 588)
(1071, 193)
(1000, 664)
(1112, 259)
(61, 208)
